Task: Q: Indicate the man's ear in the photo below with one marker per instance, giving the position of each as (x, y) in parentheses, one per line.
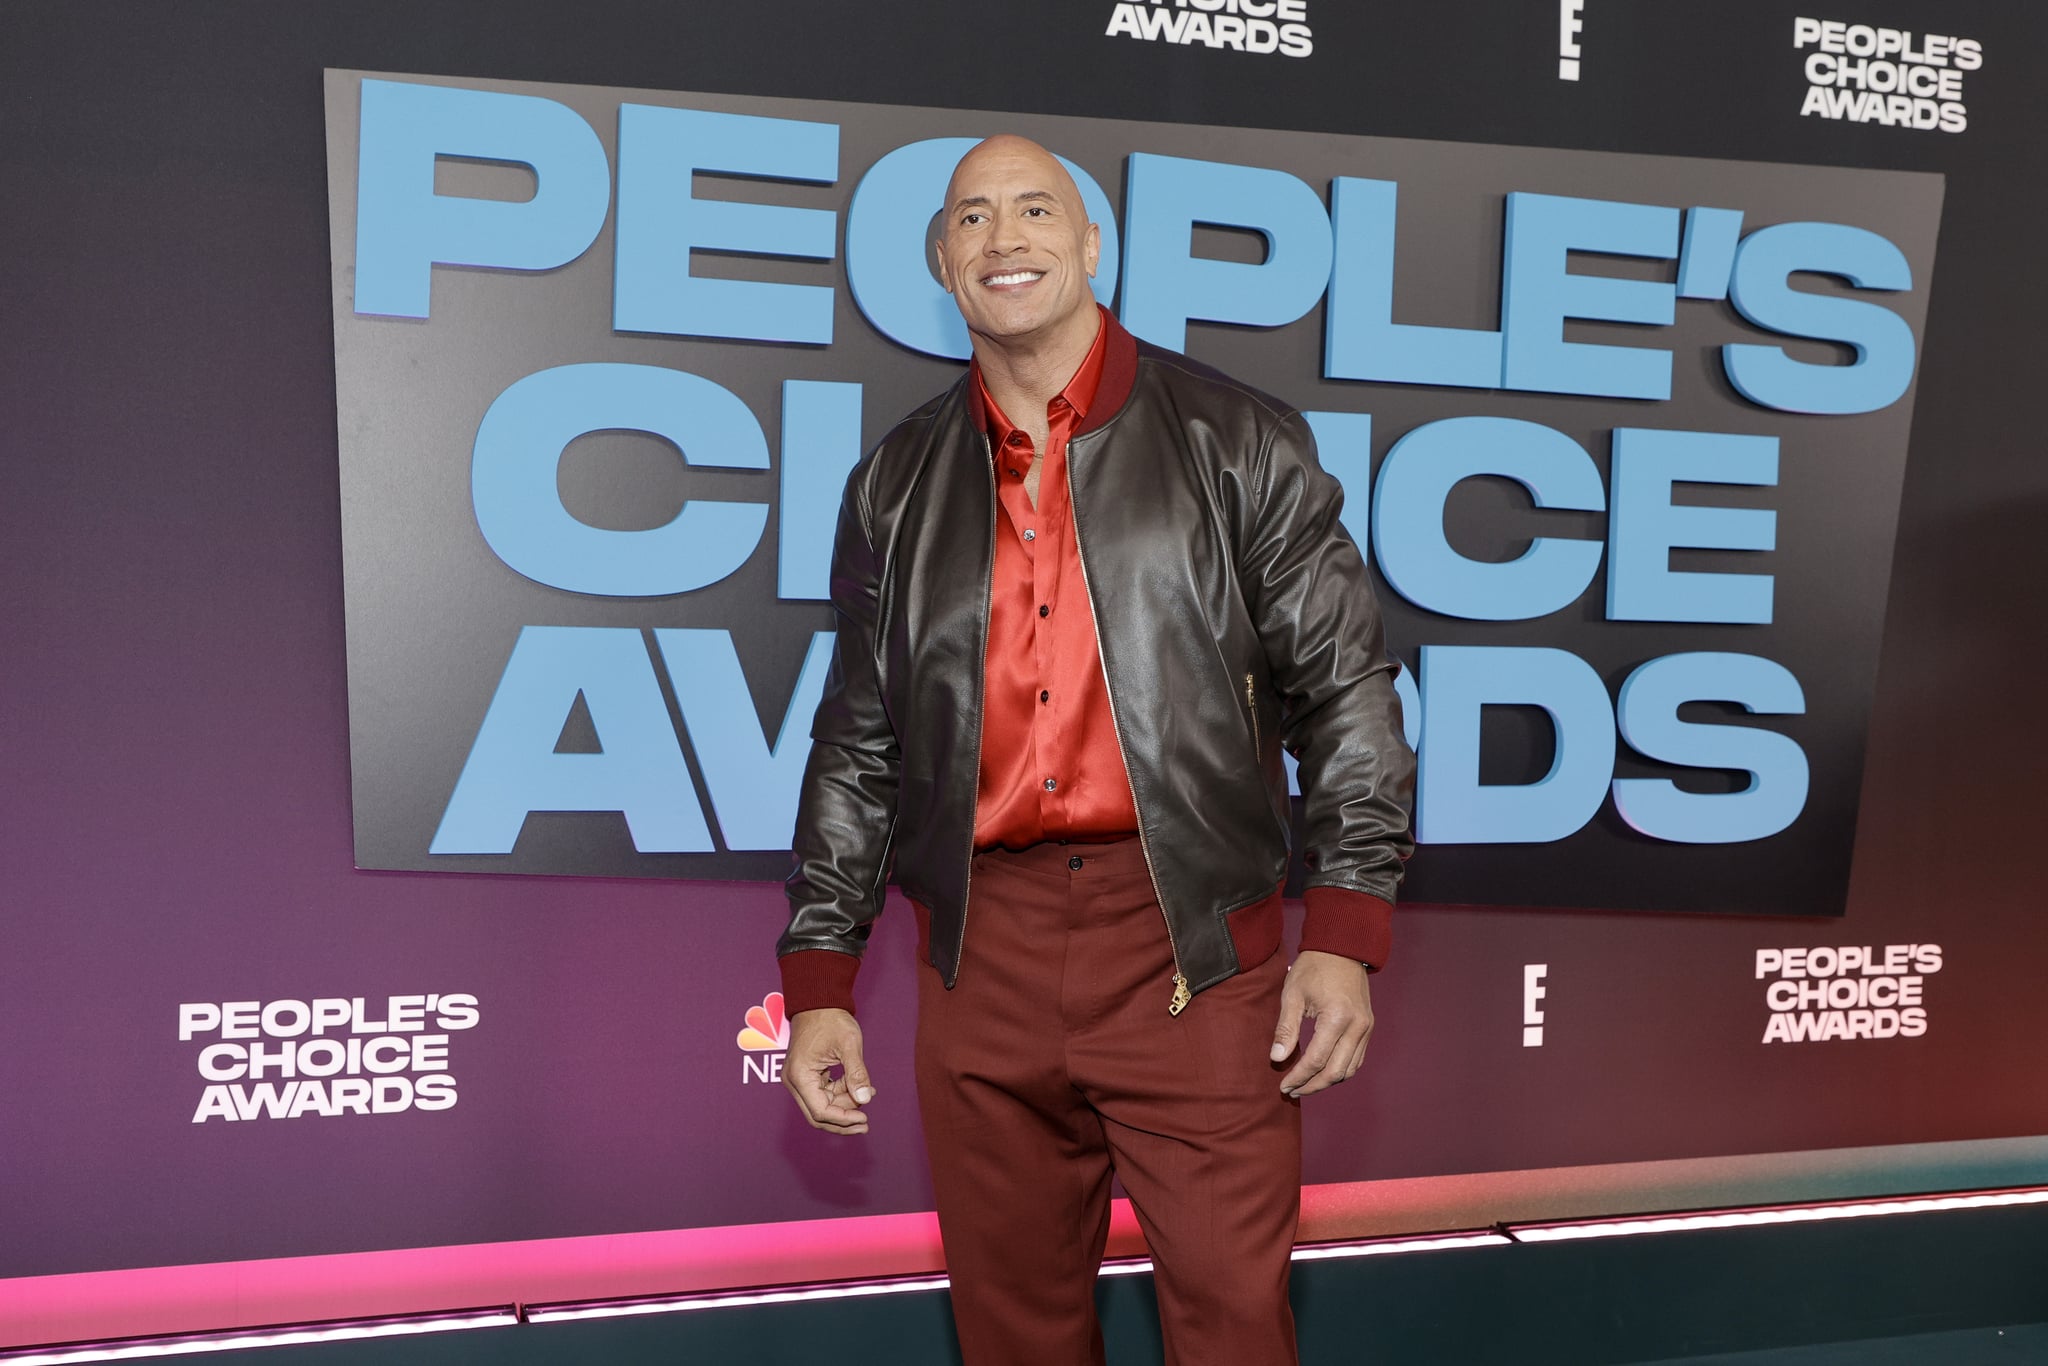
(945, 275)
(1092, 246)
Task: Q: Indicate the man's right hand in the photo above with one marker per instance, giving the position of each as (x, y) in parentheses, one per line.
(820, 1040)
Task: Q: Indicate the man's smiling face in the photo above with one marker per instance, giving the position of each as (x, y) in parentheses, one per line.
(1017, 249)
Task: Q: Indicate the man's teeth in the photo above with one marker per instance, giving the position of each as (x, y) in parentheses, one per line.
(1019, 277)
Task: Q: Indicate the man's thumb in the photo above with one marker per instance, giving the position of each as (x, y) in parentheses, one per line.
(1284, 1035)
(857, 1080)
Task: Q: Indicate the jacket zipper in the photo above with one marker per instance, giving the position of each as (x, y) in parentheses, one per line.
(1181, 994)
(1251, 703)
(987, 596)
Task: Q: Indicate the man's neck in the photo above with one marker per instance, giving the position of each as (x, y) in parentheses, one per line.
(1025, 374)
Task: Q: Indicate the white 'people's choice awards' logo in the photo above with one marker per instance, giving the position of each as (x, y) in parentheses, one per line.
(1258, 26)
(1889, 76)
(1852, 992)
(332, 1055)
(764, 1041)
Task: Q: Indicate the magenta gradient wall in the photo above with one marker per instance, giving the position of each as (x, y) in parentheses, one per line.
(175, 820)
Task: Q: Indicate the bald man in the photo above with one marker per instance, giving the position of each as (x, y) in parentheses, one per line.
(1085, 597)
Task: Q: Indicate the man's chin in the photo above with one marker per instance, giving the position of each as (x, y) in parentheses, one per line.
(1021, 329)
(1007, 331)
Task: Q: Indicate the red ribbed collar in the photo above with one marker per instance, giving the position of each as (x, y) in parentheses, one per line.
(1113, 359)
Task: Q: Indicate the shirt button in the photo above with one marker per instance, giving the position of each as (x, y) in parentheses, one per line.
(1029, 534)
(1075, 863)
(1044, 696)
(1051, 783)
(1016, 438)
(1044, 610)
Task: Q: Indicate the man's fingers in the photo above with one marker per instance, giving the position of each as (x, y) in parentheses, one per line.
(1335, 1054)
(848, 1097)
(837, 1120)
(825, 1104)
(1357, 1058)
(1336, 994)
(812, 1088)
(1349, 1054)
(1316, 1057)
(821, 1040)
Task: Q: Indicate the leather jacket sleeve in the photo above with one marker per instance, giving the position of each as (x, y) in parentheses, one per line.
(846, 812)
(1313, 606)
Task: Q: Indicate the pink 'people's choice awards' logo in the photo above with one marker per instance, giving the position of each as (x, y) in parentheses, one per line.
(764, 1041)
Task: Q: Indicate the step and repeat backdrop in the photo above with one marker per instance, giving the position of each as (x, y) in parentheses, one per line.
(432, 431)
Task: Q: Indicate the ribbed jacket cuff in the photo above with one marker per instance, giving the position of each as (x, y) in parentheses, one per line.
(1355, 925)
(817, 979)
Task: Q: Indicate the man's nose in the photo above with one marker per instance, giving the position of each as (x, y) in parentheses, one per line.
(1007, 236)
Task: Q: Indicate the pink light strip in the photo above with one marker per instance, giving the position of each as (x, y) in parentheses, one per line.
(677, 1304)
(135, 1350)
(155, 1302)
(1778, 1214)
(1358, 1247)
(198, 1298)
(1123, 1266)
(1376, 1247)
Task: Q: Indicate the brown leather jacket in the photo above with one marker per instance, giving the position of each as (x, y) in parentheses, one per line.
(1234, 615)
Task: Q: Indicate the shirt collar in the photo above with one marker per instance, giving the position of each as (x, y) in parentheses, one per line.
(1080, 393)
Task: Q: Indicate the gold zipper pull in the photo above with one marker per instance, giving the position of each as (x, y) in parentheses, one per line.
(1181, 995)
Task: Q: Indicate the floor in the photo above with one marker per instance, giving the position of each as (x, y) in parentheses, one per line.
(2021, 1343)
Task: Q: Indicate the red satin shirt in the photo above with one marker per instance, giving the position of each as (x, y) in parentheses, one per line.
(1050, 765)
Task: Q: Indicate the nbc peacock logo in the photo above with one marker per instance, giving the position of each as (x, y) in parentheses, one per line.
(764, 1041)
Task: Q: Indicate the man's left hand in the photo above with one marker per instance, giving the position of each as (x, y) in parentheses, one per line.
(1332, 991)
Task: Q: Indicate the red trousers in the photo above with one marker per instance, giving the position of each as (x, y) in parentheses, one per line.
(1052, 1063)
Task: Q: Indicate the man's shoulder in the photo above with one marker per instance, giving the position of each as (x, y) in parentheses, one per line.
(917, 426)
(927, 412)
(904, 445)
(1184, 374)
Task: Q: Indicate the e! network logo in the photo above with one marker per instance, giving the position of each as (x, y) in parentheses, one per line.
(764, 1041)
